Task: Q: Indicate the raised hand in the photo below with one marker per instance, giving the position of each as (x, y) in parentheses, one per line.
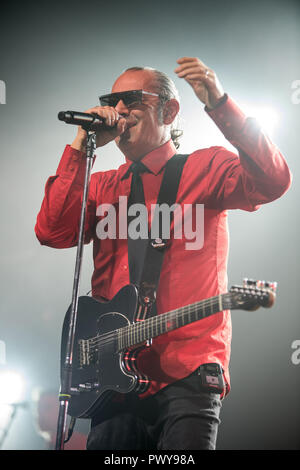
(202, 79)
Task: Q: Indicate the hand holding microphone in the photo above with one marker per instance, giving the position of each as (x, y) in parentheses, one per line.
(105, 120)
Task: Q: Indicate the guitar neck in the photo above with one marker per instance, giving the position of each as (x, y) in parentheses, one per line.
(142, 331)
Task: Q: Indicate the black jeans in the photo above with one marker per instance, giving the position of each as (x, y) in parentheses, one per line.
(179, 417)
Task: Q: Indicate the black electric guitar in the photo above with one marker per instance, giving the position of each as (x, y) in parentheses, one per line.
(107, 340)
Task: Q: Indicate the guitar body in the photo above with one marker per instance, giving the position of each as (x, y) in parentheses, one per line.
(108, 339)
(99, 369)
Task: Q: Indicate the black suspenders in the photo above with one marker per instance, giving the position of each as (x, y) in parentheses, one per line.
(155, 249)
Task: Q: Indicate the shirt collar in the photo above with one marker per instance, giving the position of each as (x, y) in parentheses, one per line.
(155, 160)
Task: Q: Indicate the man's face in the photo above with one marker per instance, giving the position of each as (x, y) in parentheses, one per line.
(148, 133)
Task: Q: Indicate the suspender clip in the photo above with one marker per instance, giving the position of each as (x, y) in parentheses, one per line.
(158, 243)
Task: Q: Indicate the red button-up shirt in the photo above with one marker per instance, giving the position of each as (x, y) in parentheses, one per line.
(213, 176)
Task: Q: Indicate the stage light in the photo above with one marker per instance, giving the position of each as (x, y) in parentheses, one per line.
(11, 387)
(267, 117)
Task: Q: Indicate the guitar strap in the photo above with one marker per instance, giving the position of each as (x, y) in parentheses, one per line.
(156, 247)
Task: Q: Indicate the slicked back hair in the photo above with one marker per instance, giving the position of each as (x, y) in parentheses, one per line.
(167, 90)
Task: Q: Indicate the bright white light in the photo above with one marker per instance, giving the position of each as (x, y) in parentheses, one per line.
(2, 353)
(11, 387)
(267, 117)
(5, 413)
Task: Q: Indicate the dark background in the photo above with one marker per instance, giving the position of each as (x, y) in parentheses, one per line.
(58, 56)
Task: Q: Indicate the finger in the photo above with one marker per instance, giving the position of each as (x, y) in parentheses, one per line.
(188, 65)
(202, 75)
(121, 126)
(198, 76)
(196, 69)
(118, 129)
(110, 115)
(115, 117)
(185, 60)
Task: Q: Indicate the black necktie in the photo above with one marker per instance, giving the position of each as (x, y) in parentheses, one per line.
(137, 247)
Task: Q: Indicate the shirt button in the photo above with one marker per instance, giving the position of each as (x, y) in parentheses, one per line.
(125, 267)
(75, 158)
(71, 168)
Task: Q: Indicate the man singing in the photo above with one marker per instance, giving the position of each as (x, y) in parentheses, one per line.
(176, 412)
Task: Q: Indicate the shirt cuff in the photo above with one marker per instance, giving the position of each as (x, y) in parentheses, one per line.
(228, 117)
(72, 164)
(219, 103)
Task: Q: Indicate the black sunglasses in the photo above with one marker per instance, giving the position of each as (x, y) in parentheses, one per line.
(129, 98)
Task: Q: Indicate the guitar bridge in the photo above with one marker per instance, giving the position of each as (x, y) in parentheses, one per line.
(87, 352)
(85, 387)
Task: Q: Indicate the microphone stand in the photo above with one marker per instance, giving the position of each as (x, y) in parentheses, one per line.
(66, 374)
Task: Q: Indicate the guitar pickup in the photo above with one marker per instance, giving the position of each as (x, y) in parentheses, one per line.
(84, 356)
(86, 387)
(87, 353)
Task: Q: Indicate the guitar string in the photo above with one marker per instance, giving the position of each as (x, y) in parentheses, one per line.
(141, 327)
(145, 326)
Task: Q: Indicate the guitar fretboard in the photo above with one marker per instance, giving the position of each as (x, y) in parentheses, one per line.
(142, 331)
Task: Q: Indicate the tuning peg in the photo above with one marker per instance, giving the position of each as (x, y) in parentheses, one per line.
(271, 285)
(267, 285)
(249, 282)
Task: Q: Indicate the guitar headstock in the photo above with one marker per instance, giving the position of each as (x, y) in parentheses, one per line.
(253, 294)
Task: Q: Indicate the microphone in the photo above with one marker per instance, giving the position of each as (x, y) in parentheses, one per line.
(92, 121)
